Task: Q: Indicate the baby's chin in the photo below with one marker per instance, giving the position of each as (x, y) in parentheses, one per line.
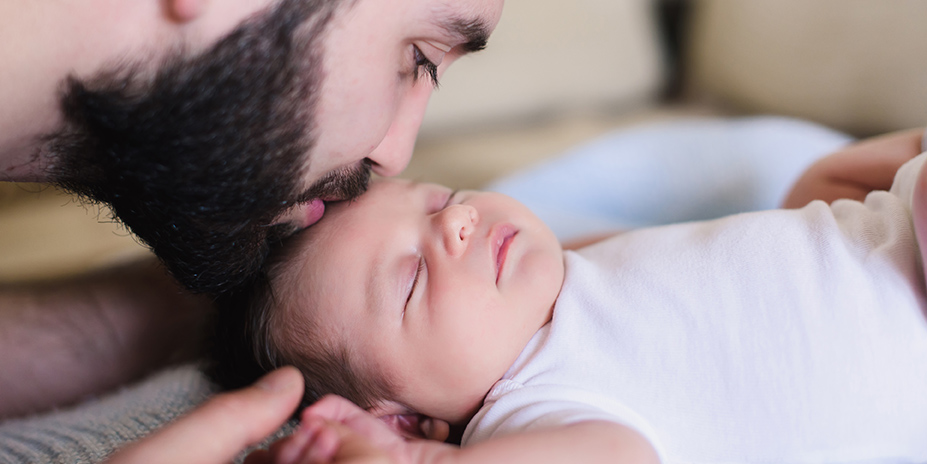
(466, 408)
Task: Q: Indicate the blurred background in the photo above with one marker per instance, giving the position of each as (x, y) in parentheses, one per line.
(559, 73)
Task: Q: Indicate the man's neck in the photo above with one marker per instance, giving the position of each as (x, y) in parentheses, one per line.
(28, 80)
(42, 42)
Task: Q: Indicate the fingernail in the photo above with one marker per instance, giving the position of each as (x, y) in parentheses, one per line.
(428, 427)
(279, 380)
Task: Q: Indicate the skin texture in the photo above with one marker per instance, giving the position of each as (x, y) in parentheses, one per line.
(198, 159)
(369, 82)
(65, 340)
(211, 125)
(425, 301)
(201, 156)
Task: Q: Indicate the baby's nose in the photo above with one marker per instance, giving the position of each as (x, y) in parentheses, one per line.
(457, 223)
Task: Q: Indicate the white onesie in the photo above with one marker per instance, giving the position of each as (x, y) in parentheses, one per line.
(772, 337)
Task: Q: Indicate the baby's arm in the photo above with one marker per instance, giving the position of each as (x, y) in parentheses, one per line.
(334, 430)
(586, 442)
(856, 170)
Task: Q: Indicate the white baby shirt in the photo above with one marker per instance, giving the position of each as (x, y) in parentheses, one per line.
(773, 337)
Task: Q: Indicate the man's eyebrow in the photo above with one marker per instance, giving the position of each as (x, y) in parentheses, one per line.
(473, 32)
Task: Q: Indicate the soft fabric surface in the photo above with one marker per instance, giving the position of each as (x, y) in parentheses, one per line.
(91, 431)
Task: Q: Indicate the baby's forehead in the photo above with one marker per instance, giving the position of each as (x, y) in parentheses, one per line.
(347, 225)
(379, 191)
(391, 185)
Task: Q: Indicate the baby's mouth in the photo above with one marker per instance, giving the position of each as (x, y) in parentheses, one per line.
(501, 245)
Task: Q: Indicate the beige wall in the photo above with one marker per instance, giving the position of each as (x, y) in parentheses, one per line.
(550, 57)
(856, 65)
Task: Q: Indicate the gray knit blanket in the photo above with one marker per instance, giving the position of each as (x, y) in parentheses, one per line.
(91, 431)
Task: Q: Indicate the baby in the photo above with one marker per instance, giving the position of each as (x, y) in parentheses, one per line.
(778, 336)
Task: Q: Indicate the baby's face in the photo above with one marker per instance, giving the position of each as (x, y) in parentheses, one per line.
(439, 291)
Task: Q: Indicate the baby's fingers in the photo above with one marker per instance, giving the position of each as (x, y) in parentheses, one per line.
(314, 442)
(321, 443)
(347, 446)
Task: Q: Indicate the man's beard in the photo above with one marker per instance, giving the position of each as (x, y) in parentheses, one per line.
(199, 158)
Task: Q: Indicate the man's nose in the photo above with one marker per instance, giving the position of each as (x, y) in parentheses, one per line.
(393, 153)
(456, 223)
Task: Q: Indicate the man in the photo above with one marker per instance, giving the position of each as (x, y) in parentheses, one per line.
(202, 139)
(211, 129)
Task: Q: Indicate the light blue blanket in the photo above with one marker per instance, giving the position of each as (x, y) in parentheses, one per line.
(677, 171)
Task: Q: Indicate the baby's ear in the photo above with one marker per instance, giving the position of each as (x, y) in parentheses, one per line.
(410, 424)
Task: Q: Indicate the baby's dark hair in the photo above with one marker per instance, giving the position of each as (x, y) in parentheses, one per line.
(259, 328)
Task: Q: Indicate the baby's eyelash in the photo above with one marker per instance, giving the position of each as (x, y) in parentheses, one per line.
(422, 62)
(418, 272)
(450, 198)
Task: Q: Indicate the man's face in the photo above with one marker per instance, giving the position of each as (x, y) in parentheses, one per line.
(201, 159)
(377, 78)
(436, 290)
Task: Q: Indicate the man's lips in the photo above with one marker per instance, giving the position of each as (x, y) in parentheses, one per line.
(314, 211)
(501, 239)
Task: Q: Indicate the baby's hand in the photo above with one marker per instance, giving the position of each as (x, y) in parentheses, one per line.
(334, 430)
(322, 441)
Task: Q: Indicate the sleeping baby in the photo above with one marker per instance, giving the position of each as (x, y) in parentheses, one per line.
(779, 336)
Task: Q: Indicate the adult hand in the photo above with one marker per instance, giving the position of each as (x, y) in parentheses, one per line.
(856, 170)
(222, 427)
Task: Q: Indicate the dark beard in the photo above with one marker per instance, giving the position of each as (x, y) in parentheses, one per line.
(200, 158)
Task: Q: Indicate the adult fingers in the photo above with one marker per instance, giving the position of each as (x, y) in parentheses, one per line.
(219, 429)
